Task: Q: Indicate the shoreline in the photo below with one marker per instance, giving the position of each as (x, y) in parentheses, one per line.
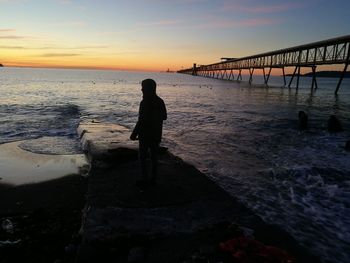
(47, 216)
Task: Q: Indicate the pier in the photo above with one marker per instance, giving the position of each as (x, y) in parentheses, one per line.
(335, 51)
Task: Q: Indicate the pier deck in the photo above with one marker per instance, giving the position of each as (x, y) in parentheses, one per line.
(335, 51)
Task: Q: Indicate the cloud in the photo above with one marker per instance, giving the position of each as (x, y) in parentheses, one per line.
(229, 6)
(108, 33)
(253, 22)
(54, 48)
(64, 2)
(71, 24)
(90, 47)
(6, 33)
(162, 23)
(12, 37)
(12, 1)
(51, 55)
(129, 52)
(256, 22)
(11, 47)
(6, 30)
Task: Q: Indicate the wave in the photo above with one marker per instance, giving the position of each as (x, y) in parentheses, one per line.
(21, 122)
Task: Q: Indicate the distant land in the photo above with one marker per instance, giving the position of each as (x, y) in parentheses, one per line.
(1, 65)
(325, 74)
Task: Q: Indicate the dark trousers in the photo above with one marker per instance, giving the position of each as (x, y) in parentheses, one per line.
(146, 148)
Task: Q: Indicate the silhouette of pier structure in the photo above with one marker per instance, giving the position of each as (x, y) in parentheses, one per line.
(327, 52)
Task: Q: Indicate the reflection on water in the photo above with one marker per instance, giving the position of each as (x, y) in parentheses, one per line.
(242, 136)
(18, 166)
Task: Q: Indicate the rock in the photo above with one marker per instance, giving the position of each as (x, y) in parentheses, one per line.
(244, 249)
(7, 226)
(302, 120)
(70, 249)
(198, 256)
(137, 254)
(122, 154)
(347, 145)
(247, 232)
(207, 250)
(183, 206)
(334, 124)
(8, 244)
(162, 149)
(108, 142)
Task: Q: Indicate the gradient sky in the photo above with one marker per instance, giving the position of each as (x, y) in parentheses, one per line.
(159, 34)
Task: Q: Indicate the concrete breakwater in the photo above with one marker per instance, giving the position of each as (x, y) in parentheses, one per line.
(185, 214)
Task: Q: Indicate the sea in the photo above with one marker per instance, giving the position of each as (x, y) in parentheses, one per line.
(244, 137)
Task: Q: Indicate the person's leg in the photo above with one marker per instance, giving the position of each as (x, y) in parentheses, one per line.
(143, 149)
(154, 159)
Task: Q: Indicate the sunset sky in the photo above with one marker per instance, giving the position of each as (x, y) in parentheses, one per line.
(159, 34)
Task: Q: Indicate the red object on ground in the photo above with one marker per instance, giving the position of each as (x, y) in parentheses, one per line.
(247, 250)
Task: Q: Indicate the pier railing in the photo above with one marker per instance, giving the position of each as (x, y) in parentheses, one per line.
(327, 52)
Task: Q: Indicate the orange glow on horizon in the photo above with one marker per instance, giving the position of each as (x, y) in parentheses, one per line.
(35, 55)
(132, 63)
(77, 66)
(86, 63)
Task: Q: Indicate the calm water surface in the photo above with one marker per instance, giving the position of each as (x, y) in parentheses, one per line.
(243, 137)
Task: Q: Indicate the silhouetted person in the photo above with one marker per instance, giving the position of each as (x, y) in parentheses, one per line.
(149, 127)
(334, 124)
(302, 120)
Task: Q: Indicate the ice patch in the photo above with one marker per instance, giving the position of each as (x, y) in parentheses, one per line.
(18, 166)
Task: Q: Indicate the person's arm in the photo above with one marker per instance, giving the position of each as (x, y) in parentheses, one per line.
(135, 132)
(164, 113)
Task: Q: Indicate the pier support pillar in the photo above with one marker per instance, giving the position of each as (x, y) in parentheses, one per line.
(223, 74)
(341, 78)
(298, 78)
(314, 81)
(267, 76)
(251, 72)
(231, 75)
(284, 77)
(239, 77)
(291, 80)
